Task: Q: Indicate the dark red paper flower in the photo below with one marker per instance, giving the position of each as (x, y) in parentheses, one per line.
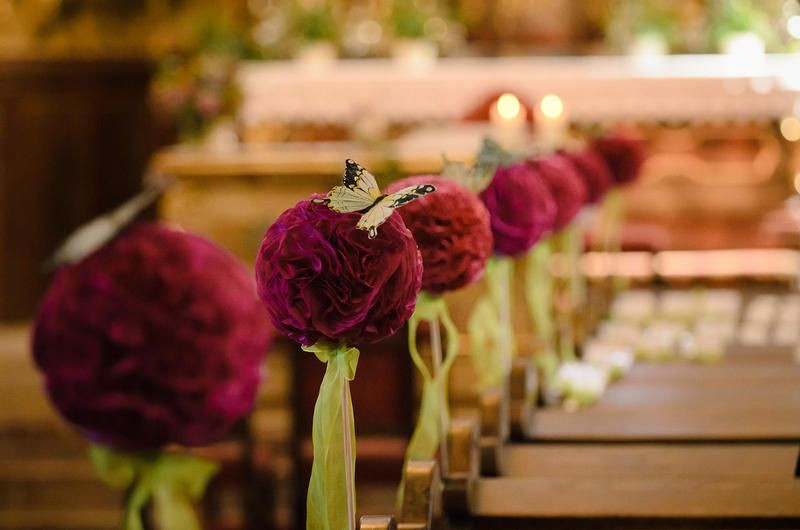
(521, 208)
(451, 228)
(623, 156)
(320, 277)
(155, 338)
(594, 171)
(566, 186)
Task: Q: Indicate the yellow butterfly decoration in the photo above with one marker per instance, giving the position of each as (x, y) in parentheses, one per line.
(359, 192)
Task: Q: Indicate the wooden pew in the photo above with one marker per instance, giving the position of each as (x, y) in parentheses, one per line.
(699, 485)
(735, 400)
(636, 502)
(690, 482)
(760, 461)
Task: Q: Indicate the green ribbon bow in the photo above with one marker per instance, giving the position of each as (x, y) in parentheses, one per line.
(173, 481)
(328, 488)
(434, 411)
(539, 296)
(491, 334)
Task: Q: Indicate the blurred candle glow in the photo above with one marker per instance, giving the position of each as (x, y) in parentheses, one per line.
(508, 126)
(552, 122)
(508, 106)
(552, 106)
(790, 128)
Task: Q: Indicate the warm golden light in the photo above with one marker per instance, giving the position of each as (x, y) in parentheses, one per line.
(790, 128)
(793, 26)
(508, 106)
(551, 106)
(797, 182)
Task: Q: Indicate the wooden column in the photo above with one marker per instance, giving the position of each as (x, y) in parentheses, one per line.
(74, 142)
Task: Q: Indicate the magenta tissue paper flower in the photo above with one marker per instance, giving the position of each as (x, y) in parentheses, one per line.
(155, 338)
(565, 184)
(594, 171)
(624, 157)
(520, 206)
(320, 277)
(451, 228)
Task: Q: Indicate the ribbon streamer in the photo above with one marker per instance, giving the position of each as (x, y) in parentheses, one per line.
(491, 334)
(173, 481)
(539, 296)
(331, 490)
(611, 221)
(612, 216)
(573, 248)
(539, 290)
(570, 292)
(434, 412)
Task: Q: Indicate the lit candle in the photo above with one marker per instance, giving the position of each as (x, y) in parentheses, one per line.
(507, 118)
(552, 123)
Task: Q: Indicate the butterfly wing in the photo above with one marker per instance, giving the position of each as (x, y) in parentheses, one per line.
(343, 200)
(406, 195)
(358, 191)
(378, 214)
(359, 180)
(375, 217)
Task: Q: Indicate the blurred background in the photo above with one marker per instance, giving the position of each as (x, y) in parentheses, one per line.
(251, 105)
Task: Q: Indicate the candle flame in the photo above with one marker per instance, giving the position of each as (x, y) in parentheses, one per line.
(508, 106)
(551, 106)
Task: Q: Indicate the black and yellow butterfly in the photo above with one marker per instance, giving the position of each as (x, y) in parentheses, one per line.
(359, 192)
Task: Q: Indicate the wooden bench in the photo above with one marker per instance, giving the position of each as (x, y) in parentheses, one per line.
(758, 461)
(636, 502)
(742, 399)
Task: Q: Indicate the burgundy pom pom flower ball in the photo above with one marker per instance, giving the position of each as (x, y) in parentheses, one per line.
(321, 278)
(155, 338)
(520, 206)
(566, 186)
(594, 171)
(452, 230)
(624, 157)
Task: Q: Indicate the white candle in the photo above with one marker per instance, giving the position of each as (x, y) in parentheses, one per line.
(508, 126)
(552, 122)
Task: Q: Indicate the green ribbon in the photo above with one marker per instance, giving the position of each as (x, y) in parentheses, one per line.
(328, 488)
(539, 290)
(568, 243)
(173, 481)
(490, 330)
(608, 230)
(434, 410)
(539, 296)
(573, 248)
(433, 405)
(612, 215)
